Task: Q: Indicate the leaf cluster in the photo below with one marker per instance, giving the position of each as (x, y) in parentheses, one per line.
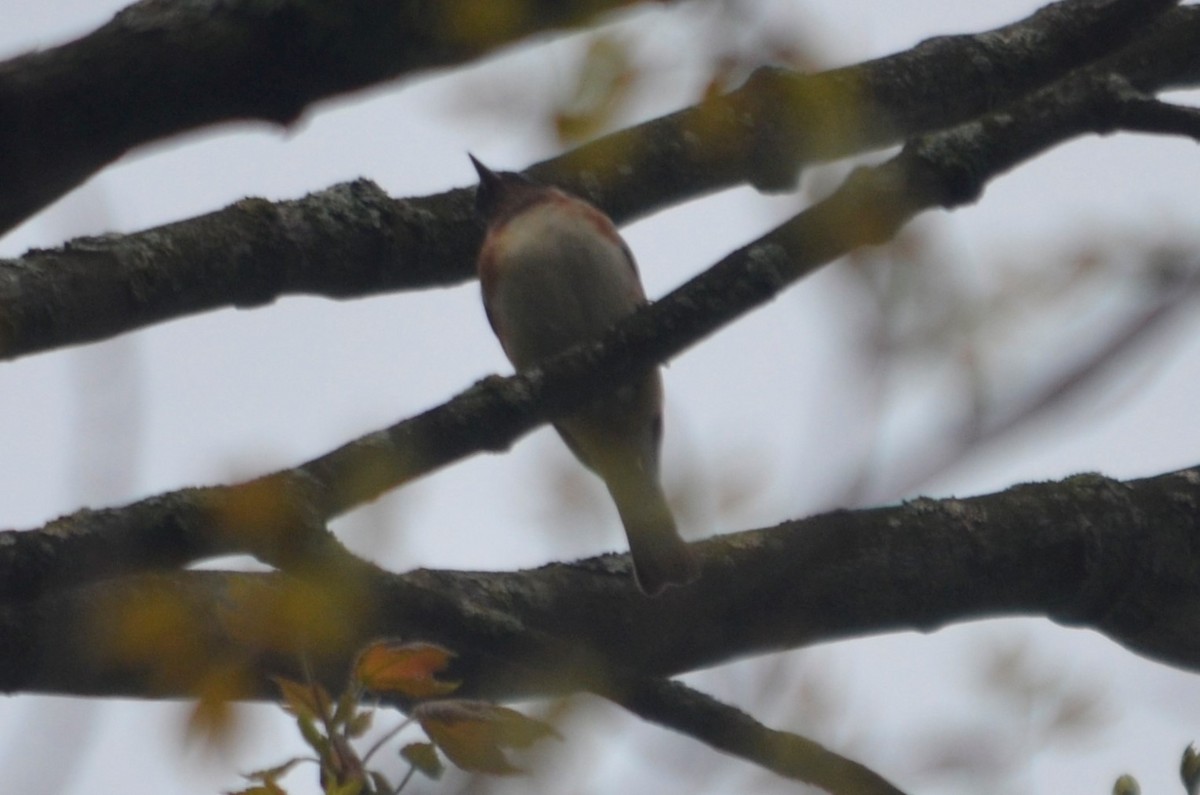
(472, 734)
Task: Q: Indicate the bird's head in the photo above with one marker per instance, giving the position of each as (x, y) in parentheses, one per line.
(503, 194)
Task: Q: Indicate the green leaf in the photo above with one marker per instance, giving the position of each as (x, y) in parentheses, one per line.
(311, 734)
(353, 787)
(380, 783)
(303, 699)
(1189, 770)
(360, 724)
(474, 734)
(424, 757)
(279, 771)
(1126, 785)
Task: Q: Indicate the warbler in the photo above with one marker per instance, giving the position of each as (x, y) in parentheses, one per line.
(555, 273)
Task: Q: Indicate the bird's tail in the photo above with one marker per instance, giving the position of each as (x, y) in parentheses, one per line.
(660, 556)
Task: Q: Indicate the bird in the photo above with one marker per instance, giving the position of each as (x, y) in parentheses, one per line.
(554, 273)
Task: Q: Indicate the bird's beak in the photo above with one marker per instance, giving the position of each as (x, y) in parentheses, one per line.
(486, 175)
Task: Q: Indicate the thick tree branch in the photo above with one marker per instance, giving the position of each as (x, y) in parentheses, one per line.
(354, 240)
(158, 69)
(1120, 558)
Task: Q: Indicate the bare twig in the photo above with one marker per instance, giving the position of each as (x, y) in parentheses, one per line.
(688, 711)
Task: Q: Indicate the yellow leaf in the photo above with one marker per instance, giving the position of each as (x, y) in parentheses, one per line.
(600, 89)
(152, 631)
(213, 718)
(284, 614)
(259, 514)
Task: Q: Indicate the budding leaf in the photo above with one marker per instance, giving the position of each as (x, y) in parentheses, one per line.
(473, 734)
(406, 669)
(424, 757)
(1126, 785)
(303, 700)
(1189, 770)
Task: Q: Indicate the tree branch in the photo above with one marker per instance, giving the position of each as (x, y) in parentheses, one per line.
(158, 69)
(1120, 558)
(1145, 114)
(353, 240)
(695, 714)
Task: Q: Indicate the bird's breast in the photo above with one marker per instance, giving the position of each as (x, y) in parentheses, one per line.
(556, 280)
